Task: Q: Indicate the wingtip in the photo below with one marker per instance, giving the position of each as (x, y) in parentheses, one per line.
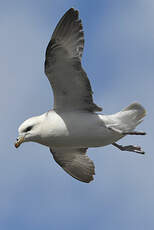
(88, 181)
(73, 11)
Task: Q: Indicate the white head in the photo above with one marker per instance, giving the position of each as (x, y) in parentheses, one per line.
(29, 130)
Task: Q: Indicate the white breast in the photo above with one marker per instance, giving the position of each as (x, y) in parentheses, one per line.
(75, 129)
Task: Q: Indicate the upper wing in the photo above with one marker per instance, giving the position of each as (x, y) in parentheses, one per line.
(75, 162)
(70, 84)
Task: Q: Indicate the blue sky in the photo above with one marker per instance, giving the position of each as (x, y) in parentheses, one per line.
(118, 58)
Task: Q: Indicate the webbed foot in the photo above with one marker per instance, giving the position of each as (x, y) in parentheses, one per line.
(126, 133)
(130, 148)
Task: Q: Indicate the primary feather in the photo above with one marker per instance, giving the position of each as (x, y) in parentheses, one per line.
(70, 84)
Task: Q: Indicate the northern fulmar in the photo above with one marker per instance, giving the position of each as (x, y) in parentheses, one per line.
(74, 124)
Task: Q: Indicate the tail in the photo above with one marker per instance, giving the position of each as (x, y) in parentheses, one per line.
(130, 117)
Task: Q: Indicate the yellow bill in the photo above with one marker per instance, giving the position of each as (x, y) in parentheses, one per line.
(19, 142)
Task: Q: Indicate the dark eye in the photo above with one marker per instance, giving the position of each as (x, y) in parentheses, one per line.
(28, 128)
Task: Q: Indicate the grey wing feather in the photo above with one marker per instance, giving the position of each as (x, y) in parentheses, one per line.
(75, 162)
(69, 32)
(70, 84)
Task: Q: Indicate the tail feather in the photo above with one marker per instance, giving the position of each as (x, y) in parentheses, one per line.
(130, 117)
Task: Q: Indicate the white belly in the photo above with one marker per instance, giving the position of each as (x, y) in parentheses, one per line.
(76, 129)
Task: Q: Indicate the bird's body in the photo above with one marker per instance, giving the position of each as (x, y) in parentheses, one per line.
(75, 130)
(81, 129)
(74, 124)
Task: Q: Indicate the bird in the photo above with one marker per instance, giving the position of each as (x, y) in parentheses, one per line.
(76, 123)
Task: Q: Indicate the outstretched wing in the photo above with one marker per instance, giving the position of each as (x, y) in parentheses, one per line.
(70, 84)
(75, 162)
